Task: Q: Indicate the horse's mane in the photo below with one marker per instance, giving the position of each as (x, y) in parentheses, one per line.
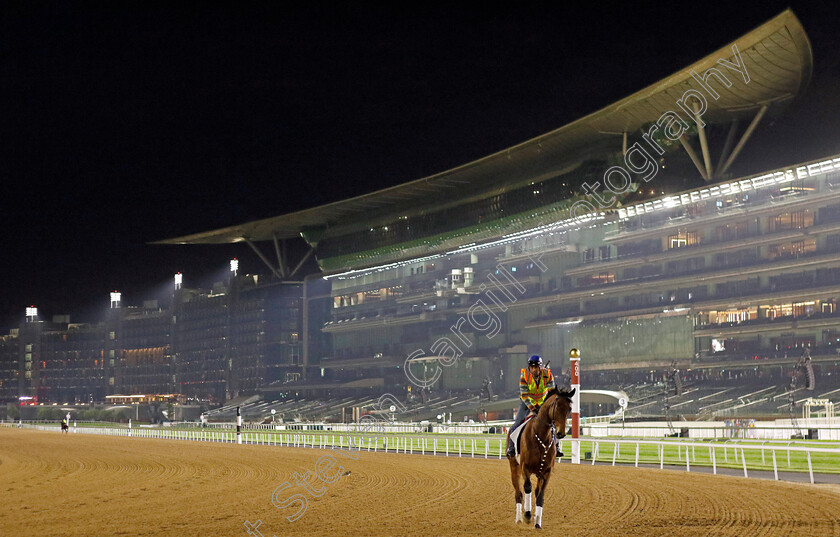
(561, 393)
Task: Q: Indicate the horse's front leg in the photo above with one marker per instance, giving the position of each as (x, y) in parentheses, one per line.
(542, 483)
(517, 494)
(527, 496)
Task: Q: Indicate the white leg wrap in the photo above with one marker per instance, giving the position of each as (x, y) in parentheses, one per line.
(538, 515)
(528, 501)
(518, 513)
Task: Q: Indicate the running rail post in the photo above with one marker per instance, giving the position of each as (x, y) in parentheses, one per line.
(238, 426)
(574, 358)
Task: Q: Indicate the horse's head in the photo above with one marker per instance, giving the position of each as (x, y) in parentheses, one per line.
(558, 408)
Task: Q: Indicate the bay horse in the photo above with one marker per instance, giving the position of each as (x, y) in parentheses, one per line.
(537, 452)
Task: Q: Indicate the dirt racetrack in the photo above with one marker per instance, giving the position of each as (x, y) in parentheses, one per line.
(86, 485)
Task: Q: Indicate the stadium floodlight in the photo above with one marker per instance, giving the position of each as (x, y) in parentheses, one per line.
(116, 298)
(234, 265)
(31, 313)
(179, 280)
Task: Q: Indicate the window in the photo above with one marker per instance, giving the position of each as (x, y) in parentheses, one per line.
(683, 239)
(604, 277)
(832, 243)
(597, 279)
(730, 232)
(831, 337)
(796, 309)
(830, 214)
(733, 315)
(792, 249)
(294, 354)
(793, 220)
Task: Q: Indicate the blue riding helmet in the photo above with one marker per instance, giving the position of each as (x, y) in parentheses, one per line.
(535, 359)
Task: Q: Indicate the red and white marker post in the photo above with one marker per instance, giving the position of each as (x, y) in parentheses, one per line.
(238, 426)
(574, 358)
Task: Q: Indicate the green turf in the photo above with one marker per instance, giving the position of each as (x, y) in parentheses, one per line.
(726, 454)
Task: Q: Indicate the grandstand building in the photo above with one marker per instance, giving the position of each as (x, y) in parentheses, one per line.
(448, 283)
(204, 346)
(480, 266)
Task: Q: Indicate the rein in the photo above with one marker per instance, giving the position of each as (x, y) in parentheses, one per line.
(553, 429)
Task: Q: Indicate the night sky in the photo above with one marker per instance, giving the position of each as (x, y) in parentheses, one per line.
(125, 123)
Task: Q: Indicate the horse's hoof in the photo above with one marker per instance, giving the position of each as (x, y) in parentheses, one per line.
(537, 527)
(527, 515)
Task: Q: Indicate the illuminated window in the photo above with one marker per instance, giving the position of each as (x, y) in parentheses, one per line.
(796, 186)
(604, 277)
(793, 220)
(792, 249)
(796, 309)
(683, 239)
(733, 315)
(597, 279)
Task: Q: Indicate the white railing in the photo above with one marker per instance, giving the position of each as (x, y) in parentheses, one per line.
(791, 456)
(738, 449)
(711, 430)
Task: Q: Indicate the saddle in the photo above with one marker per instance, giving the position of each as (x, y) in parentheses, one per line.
(516, 433)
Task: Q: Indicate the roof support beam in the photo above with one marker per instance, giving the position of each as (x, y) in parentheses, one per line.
(262, 256)
(302, 261)
(281, 263)
(693, 155)
(284, 270)
(727, 146)
(704, 145)
(744, 137)
(624, 144)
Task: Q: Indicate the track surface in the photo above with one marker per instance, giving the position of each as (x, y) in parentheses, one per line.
(84, 485)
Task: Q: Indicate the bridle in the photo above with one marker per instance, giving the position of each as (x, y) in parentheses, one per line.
(548, 412)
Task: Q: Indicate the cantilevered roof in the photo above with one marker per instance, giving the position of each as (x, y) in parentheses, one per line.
(778, 59)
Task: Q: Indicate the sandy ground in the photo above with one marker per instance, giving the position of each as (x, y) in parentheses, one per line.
(86, 485)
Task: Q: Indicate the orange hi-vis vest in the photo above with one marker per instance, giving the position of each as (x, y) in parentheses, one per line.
(531, 392)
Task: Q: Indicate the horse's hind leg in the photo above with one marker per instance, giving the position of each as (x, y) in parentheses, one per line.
(517, 494)
(527, 487)
(542, 483)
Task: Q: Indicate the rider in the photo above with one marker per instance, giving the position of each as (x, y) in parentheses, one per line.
(535, 382)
